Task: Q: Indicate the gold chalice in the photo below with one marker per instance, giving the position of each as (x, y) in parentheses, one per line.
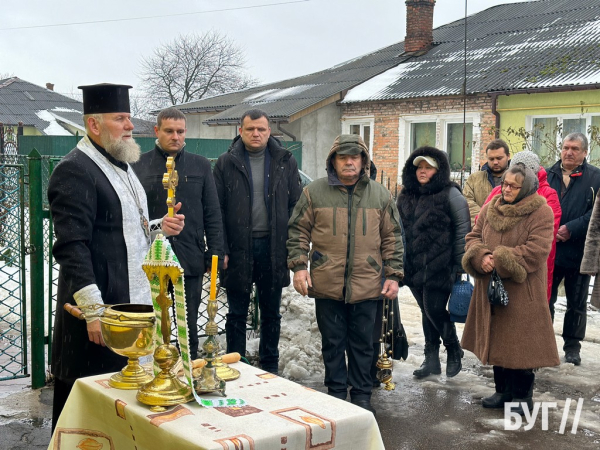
(128, 330)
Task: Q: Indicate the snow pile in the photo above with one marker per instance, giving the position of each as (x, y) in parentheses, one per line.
(300, 341)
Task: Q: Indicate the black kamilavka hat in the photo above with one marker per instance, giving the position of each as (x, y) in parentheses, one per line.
(105, 98)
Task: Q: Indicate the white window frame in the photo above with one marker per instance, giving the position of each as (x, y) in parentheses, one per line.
(348, 121)
(560, 118)
(441, 121)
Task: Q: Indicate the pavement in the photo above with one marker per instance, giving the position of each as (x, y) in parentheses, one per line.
(25, 415)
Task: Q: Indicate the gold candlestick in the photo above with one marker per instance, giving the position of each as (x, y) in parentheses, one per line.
(209, 380)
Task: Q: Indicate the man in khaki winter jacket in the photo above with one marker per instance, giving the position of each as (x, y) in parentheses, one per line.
(479, 185)
(354, 227)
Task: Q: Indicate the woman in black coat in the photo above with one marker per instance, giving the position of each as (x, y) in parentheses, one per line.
(435, 216)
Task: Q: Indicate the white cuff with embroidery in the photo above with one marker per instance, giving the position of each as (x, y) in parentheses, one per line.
(89, 299)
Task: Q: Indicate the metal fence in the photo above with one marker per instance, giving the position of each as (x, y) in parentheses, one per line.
(29, 274)
(13, 307)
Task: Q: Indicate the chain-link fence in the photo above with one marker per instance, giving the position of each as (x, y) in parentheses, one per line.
(13, 307)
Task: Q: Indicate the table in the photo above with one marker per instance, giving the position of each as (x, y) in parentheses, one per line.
(279, 415)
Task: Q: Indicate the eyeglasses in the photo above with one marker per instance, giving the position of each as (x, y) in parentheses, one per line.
(512, 187)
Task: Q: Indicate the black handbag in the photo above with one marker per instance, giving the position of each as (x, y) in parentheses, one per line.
(497, 295)
(460, 299)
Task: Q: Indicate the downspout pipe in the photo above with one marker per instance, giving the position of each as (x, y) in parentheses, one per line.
(496, 115)
(287, 133)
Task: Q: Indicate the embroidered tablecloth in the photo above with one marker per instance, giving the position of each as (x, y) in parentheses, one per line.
(279, 415)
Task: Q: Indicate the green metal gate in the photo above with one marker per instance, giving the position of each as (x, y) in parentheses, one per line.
(29, 274)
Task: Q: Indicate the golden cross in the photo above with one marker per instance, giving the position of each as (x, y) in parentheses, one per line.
(170, 181)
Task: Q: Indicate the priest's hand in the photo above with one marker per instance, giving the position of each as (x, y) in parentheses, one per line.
(95, 333)
(172, 226)
(301, 280)
(225, 261)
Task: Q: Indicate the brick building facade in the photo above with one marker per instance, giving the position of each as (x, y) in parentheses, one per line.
(391, 127)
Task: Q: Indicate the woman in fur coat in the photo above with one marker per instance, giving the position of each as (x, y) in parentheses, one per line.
(513, 234)
(435, 216)
(531, 160)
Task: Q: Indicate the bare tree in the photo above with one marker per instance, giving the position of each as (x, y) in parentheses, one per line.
(5, 75)
(140, 106)
(192, 67)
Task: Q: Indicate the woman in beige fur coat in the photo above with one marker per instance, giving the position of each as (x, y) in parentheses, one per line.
(514, 235)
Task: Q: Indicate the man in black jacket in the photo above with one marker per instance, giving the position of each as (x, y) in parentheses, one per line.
(258, 185)
(196, 190)
(576, 183)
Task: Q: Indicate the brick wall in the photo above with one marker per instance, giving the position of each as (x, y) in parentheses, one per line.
(386, 145)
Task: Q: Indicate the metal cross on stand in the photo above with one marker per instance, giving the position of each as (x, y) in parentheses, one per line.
(170, 181)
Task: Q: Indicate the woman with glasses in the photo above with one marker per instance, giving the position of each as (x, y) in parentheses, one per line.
(531, 160)
(435, 216)
(513, 235)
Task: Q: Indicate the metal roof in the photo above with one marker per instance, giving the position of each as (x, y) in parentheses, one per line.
(534, 44)
(283, 99)
(530, 45)
(36, 106)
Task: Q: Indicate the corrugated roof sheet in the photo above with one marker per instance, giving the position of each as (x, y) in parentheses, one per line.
(16, 106)
(285, 98)
(534, 44)
(540, 44)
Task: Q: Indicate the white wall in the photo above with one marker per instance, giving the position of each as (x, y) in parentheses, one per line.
(196, 129)
(317, 131)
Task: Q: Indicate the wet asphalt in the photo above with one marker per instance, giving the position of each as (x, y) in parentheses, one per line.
(433, 413)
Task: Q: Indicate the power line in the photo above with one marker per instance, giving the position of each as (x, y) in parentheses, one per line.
(154, 17)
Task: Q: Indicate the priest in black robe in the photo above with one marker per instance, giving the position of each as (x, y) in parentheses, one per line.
(102, 231)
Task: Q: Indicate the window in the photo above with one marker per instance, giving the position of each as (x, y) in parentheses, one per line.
(444, 131)
(454, 144)
(422, 134)
(363, 131)
(547, 133)
(363, 126)
(595, 138)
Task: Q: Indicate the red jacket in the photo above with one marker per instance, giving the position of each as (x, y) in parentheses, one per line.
(553, 202)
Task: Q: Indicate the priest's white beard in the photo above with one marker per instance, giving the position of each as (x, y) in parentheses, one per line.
(127, 151)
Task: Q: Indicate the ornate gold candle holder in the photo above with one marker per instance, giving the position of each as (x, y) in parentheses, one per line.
(209, 380)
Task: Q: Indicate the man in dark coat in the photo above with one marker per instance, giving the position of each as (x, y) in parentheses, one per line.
(102, 233)
(258, 185)
(196, 190)
(576, 183)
